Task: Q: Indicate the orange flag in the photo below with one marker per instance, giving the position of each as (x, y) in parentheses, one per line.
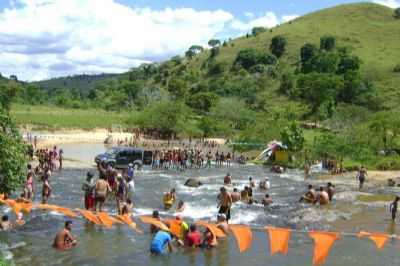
(127, 220)
(90, 216)
(243, 236)
(379, 238)
(213, 229)
(278, 239)
(105, 219)
(155, 222)
(323, 242)
(14, 205)
(26, 207)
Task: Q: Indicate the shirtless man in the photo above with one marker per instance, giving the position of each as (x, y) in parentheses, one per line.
(225, 203)
(322, 197)
(101, 189)
(64, 239)
(235, 195)
(264, 184)
(228, 179)
(310, 195)
(330, 189)
(266, 201)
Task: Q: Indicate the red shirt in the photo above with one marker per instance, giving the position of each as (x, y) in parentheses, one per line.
(193, 239)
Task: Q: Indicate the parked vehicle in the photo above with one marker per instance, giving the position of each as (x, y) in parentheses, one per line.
(121, 157)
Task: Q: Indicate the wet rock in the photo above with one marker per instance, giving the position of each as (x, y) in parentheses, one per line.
(193, 182)
(391, 182)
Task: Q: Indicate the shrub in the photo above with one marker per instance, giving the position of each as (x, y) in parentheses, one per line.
(396, 68)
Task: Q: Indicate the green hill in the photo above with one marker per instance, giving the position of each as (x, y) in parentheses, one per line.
(370, 30)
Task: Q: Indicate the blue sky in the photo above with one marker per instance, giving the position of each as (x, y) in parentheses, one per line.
(41, 39)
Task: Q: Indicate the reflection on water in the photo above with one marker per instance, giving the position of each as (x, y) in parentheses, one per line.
(122, 246)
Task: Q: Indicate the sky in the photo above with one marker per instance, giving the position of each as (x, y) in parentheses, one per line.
(42, 39)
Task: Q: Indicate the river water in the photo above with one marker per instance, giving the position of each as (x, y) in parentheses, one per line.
(122, 246)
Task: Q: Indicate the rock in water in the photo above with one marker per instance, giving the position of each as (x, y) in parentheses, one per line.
(193, 182)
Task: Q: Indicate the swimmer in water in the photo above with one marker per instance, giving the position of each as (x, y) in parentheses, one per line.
(126, 207)
(181, 206)
(228, 179)
(330, 188)
(235, 195)
(322, 197)
(265, 184)
(266, 201)
(160, 241)
(252, 184)
(362, 175)
(5, 224)
(20, 219)
(310, 196)
(64, 238)
(169, 199)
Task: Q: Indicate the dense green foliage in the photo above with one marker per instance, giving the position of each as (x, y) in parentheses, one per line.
(12, 149)
(318, 68)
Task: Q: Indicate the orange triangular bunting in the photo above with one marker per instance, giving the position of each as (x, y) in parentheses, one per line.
(243, 236)
(66, 212)
(278, 239)
(90, 216)
(155, 222)
(127, 220)
(378, 238)
(323, 242)
(105, 219)
(175, 226)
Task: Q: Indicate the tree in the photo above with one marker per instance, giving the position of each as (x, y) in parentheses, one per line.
(325, 62)
(266, 59)
(317, 88)
(287, 85)
(307, 52)
(397, 13)
(278, 46)
(7, 92)
(348, 63)
(257, 30)
(202, 101)
(214, 43)
(194, 50)
(293, 137)
(12, 155)
(214, 52)
(177, 88)
(327, 43)
(247, 58)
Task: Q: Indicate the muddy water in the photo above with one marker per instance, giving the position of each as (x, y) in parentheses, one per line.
(122, 246)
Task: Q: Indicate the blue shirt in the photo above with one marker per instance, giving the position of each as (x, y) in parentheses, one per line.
(130, 172)
(159, 242)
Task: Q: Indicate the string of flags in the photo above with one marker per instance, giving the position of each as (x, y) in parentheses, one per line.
(278, 237)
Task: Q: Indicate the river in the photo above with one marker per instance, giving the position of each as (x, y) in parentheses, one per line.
(122, 246)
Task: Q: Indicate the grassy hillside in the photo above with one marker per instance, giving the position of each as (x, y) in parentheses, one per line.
(370, 30)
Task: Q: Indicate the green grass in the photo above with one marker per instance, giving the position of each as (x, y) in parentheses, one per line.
(375, 198)
(51, 117)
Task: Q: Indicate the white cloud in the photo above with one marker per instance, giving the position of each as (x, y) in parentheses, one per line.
(288, 18)
(269, 20)
(45, 38)
(249, 14)
(389, 3)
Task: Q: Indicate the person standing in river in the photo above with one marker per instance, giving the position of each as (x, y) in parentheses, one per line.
(88, 188)
(393, 208)
(46, 188)
(225, 203)
(101, 189)
(362, 175)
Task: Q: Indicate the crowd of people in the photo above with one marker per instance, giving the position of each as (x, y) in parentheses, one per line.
(182, 159)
